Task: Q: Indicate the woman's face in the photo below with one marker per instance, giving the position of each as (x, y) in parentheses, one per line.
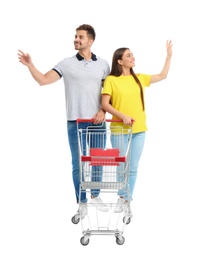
(128, 60)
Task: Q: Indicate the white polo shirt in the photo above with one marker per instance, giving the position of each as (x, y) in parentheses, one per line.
(83, 84)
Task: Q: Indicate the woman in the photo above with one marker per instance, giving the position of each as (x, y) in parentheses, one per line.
(123, 97)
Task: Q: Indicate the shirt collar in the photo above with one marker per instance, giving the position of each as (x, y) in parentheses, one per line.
(79, 57)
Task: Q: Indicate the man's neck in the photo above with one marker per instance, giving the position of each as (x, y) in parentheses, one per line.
(86, 54)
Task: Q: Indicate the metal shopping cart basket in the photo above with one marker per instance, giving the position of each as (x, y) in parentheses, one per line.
(104, 165)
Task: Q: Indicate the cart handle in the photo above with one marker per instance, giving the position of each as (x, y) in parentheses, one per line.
(107, 120)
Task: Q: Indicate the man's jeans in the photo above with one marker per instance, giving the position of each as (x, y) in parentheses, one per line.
(97, 141)
(137, 144)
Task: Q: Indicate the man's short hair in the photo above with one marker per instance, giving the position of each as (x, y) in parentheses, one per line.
(90, 30)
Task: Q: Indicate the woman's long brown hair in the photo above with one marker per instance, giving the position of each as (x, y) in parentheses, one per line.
(116, 70)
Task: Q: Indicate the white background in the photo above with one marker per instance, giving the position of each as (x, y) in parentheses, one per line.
(37, 197)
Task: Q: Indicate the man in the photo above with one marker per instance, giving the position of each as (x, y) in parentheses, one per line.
(83, 75)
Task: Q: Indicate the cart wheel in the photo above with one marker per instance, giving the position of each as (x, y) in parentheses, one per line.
(75, 219)
(120, 241)
(126, 221)
(84, 242)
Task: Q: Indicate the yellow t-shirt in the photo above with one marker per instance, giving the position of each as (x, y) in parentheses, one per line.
(126, 98)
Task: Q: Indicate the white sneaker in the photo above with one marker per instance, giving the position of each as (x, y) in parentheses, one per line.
(97, 202)
(119, 205)
(82, 210)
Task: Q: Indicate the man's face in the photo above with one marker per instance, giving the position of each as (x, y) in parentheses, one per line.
(82, 41)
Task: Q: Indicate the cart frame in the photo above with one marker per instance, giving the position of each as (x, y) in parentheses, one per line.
(107, 160)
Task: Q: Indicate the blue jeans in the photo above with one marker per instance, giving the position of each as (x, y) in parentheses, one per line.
(97, 141)
(137, 144)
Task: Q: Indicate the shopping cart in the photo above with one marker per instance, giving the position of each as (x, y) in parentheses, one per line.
(104, 165)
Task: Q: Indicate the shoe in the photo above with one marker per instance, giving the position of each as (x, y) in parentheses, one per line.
(97, 202)
(119, 205)
(82, 210)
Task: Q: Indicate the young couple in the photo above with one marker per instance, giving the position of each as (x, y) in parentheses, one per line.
(122, 95)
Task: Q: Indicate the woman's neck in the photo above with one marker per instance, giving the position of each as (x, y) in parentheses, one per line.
(126, 72)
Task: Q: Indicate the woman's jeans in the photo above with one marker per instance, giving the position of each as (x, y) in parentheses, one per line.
(97, 141)
(137, 144)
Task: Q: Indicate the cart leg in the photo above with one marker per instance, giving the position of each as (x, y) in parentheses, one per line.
(127, 215)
